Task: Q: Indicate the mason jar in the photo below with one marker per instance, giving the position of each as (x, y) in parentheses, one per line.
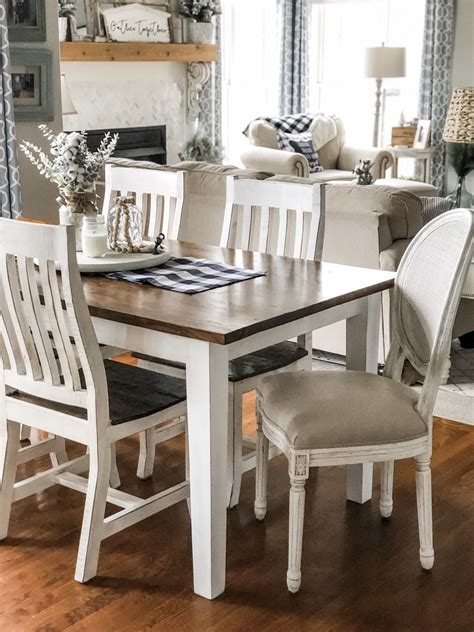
(94, 236)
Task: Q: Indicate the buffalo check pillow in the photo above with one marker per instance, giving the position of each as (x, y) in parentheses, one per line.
(301, 144)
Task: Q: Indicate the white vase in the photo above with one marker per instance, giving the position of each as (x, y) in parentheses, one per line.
(62, 29)
(201, 32)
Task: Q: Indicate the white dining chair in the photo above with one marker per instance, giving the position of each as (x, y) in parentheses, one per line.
(284, 218)
(158, 193)
(59, 383)
(341, 418)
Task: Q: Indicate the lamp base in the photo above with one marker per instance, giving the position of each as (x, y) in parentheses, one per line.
(378, 109)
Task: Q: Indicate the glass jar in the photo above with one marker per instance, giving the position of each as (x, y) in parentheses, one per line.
(94, 236)
(125, 226)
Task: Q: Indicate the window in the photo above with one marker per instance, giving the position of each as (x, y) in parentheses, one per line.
(341, 30)
(250, 68)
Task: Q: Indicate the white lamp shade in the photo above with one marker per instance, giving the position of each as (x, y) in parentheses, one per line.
(382, 62)
(66, 100)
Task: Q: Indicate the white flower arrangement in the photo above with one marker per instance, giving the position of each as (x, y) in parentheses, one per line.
(200, 10)
(72, 167)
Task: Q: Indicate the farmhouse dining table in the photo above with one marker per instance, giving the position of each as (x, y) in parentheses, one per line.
(207, 330)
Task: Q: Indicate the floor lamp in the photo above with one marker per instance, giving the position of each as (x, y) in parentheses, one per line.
(459, 128)
(382, 62)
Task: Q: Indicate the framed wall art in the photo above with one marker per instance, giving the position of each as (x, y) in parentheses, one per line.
(26, 20)
(422, 136)
(32, 84)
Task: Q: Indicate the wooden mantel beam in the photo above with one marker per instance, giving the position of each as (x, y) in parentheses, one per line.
(112, 51)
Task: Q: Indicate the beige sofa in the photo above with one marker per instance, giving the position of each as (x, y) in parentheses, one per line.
(337, 158)
(365, 226)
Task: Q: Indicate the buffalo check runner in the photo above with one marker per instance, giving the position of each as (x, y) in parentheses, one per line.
(187, 275)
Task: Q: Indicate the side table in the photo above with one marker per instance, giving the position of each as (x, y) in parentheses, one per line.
(417, 154)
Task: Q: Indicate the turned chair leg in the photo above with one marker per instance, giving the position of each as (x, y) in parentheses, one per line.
(235, 436)
(424, 504)
(9, 444)
(261, 474)
(386, 489)
(146, 459)
(299, 472)
(94, 511)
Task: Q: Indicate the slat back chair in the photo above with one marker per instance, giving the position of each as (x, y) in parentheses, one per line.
(289, 212)
(293, 215)
(368, 418)
(159, 194)
(296, 213)
(58, 383)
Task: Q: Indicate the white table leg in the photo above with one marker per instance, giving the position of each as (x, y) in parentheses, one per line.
(362, 346)
(207, 391)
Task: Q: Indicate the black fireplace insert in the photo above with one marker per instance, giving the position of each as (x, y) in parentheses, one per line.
(135, 143)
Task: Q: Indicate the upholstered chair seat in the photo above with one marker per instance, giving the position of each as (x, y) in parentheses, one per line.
(335, 409)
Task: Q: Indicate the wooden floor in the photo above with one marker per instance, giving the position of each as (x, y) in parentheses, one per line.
(359, 573)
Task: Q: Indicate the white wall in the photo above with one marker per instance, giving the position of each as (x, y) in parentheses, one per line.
(38, 195)
(463, 64)
(129, 94)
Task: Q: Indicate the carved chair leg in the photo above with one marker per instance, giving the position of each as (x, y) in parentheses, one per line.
(146, 459)
(94, 511)
(261, 474)
(386, 489)
(299, 472)
(424, 504)
(235, 436)
(9, 444)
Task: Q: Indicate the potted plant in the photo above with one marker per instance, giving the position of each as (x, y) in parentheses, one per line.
(74, 169)
(67, 12)
(201, 12)
(201, 149)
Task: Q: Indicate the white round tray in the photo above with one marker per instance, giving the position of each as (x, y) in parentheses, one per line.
(117, 261)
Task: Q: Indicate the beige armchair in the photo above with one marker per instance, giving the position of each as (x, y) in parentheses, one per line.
(337, 158)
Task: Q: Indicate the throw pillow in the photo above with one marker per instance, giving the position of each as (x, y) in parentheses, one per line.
(431, 207)
(301, 144)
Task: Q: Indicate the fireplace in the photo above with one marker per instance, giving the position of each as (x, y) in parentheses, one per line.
(135, 143)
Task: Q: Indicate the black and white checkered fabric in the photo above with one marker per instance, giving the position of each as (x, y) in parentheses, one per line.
(291, 124)
(303, 144)
(187, 275)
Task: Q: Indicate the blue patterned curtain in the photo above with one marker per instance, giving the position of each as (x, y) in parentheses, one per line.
(295, 21)
(435, 88)
(210, 118)
(10, 202)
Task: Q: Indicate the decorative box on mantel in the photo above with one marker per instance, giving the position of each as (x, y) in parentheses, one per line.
(197, 56)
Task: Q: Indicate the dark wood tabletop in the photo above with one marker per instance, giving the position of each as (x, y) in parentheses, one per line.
(290, 290)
